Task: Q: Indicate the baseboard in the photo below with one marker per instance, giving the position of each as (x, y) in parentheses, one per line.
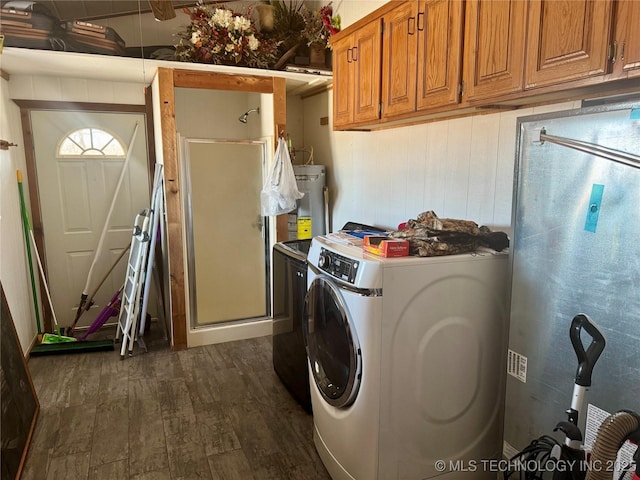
(229, 333)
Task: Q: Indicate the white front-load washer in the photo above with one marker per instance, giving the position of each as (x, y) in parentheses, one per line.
(407, 359)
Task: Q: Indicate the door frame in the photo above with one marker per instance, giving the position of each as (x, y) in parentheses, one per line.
(264, 144)
(165, 83)
(26, 106)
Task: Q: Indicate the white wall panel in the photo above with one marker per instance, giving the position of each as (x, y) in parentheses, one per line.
(217, 113)
(353, 10)
(415, 169)
(20, 86)
(436, 164)
(482, 175)
(76, 88)
(14, 272)
(459, 168)
(34, 87)
(506, 156)
(46, 88)
(394, 208)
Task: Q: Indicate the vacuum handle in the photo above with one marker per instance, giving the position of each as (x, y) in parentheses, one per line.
(586, 358)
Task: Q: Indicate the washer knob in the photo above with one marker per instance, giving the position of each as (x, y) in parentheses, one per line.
(323, 260)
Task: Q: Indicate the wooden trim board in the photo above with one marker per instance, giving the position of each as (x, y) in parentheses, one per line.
(169, 80)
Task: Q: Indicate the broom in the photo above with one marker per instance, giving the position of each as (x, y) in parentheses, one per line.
(47, 338)
(25, 226)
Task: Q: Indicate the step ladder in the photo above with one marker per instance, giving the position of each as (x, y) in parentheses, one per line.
(155, 213)
(133, 284)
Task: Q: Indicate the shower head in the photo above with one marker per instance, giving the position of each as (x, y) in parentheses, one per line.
(244, 116)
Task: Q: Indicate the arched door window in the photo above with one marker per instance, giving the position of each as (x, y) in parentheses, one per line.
(91, 142)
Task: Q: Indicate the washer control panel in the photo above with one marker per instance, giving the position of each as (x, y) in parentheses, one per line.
(339, 266)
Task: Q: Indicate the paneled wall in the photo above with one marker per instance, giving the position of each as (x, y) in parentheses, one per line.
(31, 87)
(14, 272)
(461, 168)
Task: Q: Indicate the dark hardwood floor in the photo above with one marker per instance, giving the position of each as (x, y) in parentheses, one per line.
(217, 412)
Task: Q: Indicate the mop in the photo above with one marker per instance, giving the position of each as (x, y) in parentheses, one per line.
(89, 302)
(112, 309)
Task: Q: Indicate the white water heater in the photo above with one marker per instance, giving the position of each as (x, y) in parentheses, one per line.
(308, 220)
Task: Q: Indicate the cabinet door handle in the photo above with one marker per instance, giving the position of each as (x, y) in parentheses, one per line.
(613, 52)
(622, 51)
(421, 15)
(411, 25)
(349, 55)
(354, 56)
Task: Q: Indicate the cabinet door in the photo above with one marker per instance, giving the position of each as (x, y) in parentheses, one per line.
(367, 60)
(494, 43)
(627, 38)
(343, 83)
(440, 34)
(399, 51)
(567, 40)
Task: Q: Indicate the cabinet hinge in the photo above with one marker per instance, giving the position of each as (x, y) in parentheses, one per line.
(461, 89)
(380, 109)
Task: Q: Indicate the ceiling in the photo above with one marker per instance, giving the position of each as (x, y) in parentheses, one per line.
(96, 9)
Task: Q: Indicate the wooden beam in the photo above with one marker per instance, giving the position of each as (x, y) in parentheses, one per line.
(36, 213)
(169, 80)
(173, 208)
(220, 81)
(280, 128)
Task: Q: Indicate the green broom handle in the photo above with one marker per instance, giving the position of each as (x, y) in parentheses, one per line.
(25, 224)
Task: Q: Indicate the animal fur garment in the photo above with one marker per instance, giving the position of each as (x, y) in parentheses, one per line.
(430, 236)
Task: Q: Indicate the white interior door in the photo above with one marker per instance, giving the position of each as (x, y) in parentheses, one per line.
(226, 244)
(76, 189)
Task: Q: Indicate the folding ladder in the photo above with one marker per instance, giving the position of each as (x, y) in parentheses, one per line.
(132, 289)
(155, 213)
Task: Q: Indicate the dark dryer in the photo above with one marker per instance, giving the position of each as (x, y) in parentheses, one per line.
(289, 289)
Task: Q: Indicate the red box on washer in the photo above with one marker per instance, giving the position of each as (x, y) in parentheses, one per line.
(386, 247)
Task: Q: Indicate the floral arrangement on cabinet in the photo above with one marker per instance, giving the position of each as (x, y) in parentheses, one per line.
(221, 36)
(320, 25)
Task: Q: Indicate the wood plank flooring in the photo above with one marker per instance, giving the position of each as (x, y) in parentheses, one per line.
(217, 412)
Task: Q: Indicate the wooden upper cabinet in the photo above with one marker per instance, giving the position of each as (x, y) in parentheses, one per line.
(356, 76)
(440, 35)
(421, 56)
(567, 40)
(367, 62)
(343, 83)
(626, 60)
(494, 42)
(411, 58)
(399, 55)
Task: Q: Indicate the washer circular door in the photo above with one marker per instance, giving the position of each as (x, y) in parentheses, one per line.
(331, 343)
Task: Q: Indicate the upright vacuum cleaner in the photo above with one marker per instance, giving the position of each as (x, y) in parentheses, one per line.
(612, 434)
(546, 451)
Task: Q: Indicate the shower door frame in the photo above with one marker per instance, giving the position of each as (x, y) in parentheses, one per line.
(164, 85)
